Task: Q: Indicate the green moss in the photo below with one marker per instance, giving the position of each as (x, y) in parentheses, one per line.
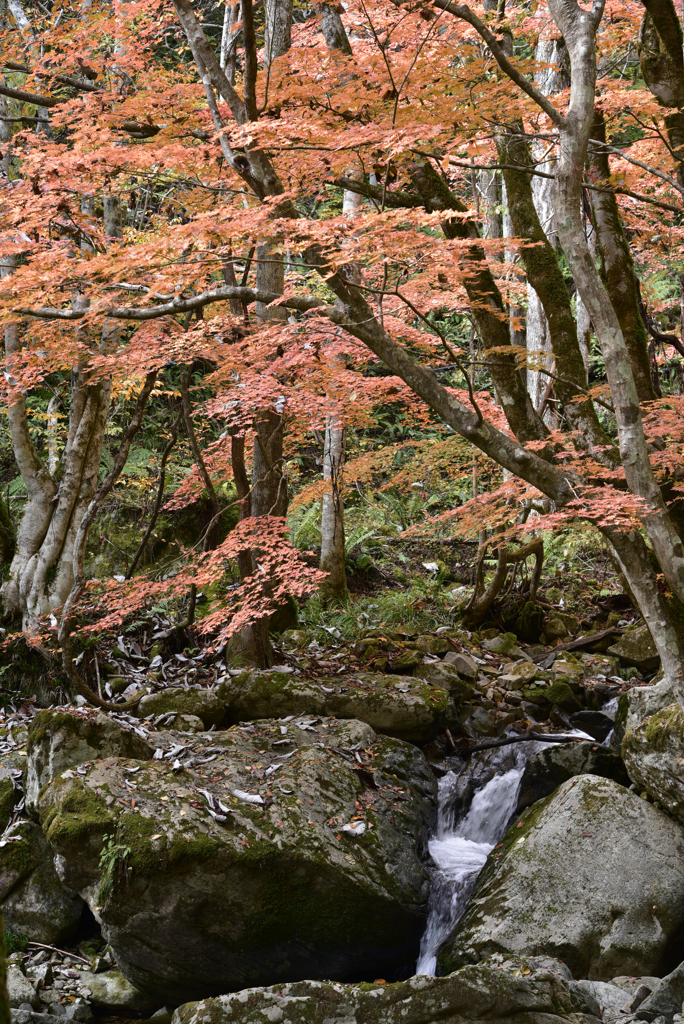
(8, 798)
(658, 728)
(45, 723)
(558, 694)
(78, 815)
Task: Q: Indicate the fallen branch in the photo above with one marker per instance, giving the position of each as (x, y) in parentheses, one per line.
(545, 737)
(580, 642)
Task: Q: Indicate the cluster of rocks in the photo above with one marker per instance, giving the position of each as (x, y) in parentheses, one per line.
(271, 828)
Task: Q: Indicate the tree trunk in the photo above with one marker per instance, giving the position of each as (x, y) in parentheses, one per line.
(333, 589)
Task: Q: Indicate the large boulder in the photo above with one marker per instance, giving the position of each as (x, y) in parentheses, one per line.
(593, 875)
(200, 703)
(64, 739)
(653, 753)
(484, 994)
(34, 901)
(288, 850)
(636, 648)
(639, 703)
(550, 767)
(397, 706)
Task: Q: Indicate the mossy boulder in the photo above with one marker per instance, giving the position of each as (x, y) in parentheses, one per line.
(488, 993)
(639, 703)
(8, 799)
(34, 901)
(653, 753)
(62, 739)
(408, 709)
(636, 647)
(558, 694)
(555, 629)
(550, 767)
(111, 991)
(201, 703)
(279, 855)
(447, 676)
(593, 875)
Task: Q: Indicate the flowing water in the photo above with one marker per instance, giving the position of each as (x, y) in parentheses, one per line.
(461, 842)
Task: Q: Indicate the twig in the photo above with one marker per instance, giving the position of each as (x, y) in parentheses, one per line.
(41, 945)
(544, 737)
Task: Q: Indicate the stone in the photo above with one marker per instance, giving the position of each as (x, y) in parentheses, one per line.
(242, 873)
(406, 661)
(592, 874)
(609, 997)
(639, 703)
(60, 740)
(596, 723)
(34, 901)
(448, 677)
(567, 667)
(558, 694)
(486, 993)
(517, 676)
(653, 753)
(504, 643)
(555, 763)
(20, 989)
(394, 705)
(428, 644)
(631, 984)
(636, 647)
(203, 704)
(111, 991)
(463, 663)
(476, 723)
(666, 997)
(555, 629)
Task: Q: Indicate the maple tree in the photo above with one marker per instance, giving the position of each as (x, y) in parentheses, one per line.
(173, 185)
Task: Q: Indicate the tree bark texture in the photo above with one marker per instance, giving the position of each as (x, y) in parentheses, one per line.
(333, 589)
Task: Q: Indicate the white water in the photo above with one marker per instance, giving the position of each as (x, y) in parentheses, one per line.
(459, 849)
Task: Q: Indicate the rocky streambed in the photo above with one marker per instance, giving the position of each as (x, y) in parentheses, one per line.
(292, 849)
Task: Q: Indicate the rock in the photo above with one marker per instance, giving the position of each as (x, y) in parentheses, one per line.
(550, 767)
(653, 753)
(476, 723)
(463, 663)
(639, 703)
(448, 677)
(636, 647)
(407, 709)
(665, 998)
(203, 704)
(517, 677)
(631, 984)
(608, 996)
(111, 991)
(8, 798)
(596, 723)
(269, 891)
(485, 993)
(558, 695)
(60, 740)
(406, 661)
(428, 644)
(34, 901)
(555, 629)
(504, 643)
(20, 989)
(578, 878)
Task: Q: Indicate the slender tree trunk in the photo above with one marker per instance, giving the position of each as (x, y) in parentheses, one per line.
(333, 589)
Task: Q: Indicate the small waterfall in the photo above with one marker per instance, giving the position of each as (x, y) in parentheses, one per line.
(462, 842)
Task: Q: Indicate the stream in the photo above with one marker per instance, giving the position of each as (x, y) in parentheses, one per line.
(474, 808)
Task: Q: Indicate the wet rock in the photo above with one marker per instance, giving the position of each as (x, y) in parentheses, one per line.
(636, 647)
(60, 740)
(34, 901)
(484, 993)
(559, 694)
(550, 767)
(405, 708)
(596, 723)
(593, 875)
(653, 753)
(477, 723)
(282, 855)
(202, 704)
(111, 991)
(20, 989)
